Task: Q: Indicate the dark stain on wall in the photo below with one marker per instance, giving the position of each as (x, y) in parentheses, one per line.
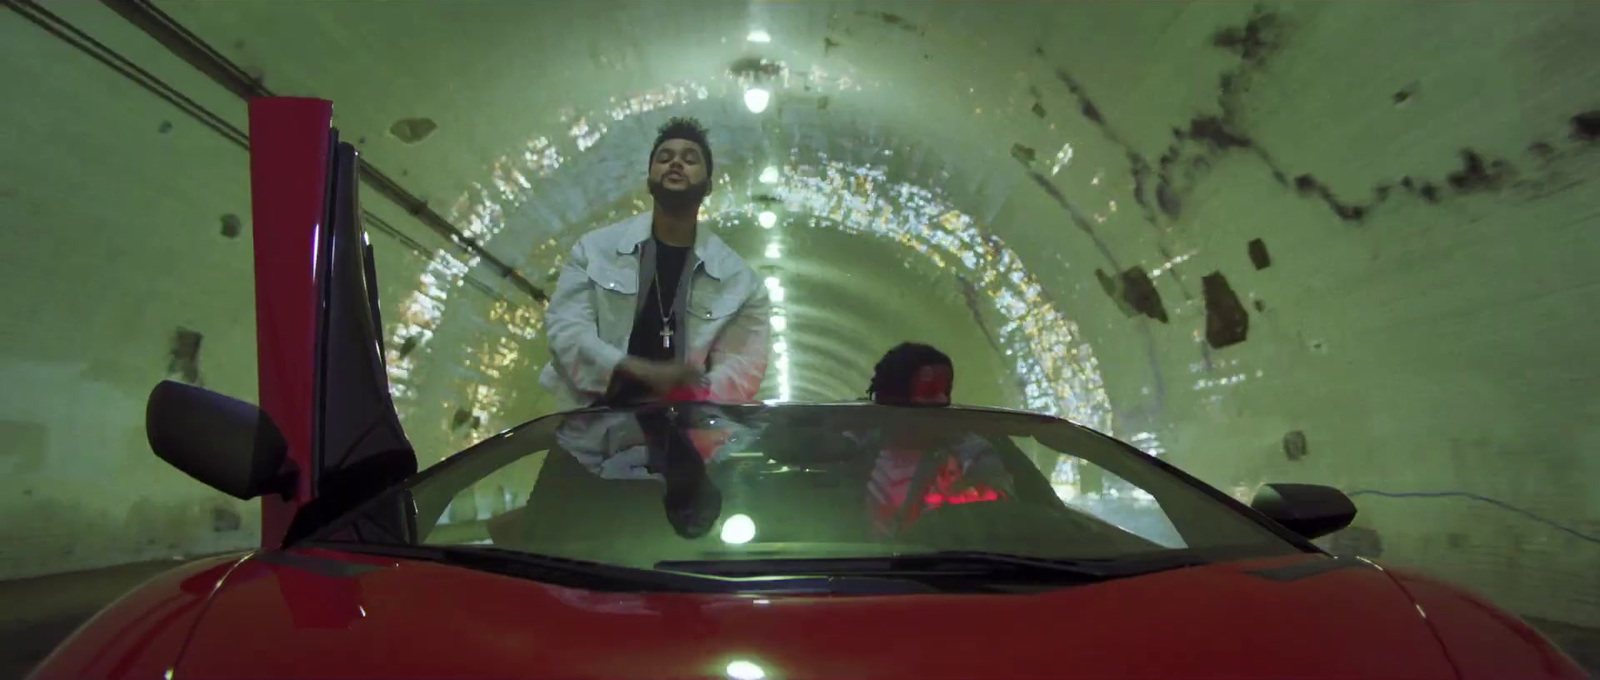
(184, 360)
(1259, 38)
(828, 44)
(1405, 94)
(413, 130)
(1258, 254)
(1207, 136)
(26, 443)
(224, 518)
(1477, 175)
(1586, 126)
(1023, 154)
(1356, 542)
(232, 226)
(1140, 293)
(465, 419)
(755, 67)
(408, 345)
(1227, 323)
(1294, 445)
(1113, 287)
(895, 20)
(975, 304)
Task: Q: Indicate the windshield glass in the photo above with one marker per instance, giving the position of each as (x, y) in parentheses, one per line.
(702, 483)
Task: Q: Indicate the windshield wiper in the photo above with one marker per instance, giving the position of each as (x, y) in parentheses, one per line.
(599, 576)
(545, 568)
(947, 563)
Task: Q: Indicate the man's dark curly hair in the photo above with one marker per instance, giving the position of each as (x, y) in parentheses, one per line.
(892, 376)
(684, 128)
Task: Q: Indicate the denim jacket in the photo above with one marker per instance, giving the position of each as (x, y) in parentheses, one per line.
(723, 312)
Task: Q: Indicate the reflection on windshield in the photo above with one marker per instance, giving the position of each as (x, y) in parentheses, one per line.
(704, 482)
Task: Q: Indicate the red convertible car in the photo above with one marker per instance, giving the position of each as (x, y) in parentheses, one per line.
(699, 540)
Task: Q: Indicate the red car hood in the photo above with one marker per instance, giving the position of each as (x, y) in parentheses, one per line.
(328, 614)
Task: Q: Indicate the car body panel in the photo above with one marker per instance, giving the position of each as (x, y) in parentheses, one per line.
(1484, 642)
(143, 633)
(354, 616)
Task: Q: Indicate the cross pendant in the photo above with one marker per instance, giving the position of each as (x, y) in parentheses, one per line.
(666, 338)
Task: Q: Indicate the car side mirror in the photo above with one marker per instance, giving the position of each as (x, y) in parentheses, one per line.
(1311, 510)
(226, 444)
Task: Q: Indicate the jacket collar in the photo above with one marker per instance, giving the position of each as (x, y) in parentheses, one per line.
(718, 258)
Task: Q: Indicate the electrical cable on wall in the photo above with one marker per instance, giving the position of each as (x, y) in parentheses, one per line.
(1483, 499)
(72, 35)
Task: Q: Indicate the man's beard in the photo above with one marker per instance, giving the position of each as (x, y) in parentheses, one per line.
(687, 199)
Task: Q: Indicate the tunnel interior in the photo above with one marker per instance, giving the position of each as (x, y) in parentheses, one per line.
(1343, 243)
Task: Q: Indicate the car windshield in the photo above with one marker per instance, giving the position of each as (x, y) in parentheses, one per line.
(697, 484)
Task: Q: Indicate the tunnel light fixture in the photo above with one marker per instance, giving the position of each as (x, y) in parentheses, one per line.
(773, 282)
(759, 36)
(776, 294)
(769, 175)
(738, 529)
(768, 219)
(756, 99)
(780, 346)
(780, 322)
(774, 251)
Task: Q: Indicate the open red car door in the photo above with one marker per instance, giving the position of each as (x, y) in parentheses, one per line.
(325, 436)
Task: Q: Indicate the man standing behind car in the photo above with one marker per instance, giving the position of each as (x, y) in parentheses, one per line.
(656, 307)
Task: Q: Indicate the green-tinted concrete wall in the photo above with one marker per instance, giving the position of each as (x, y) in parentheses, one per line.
(1420, 177)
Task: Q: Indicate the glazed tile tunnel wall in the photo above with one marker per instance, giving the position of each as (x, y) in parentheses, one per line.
(1351, 244)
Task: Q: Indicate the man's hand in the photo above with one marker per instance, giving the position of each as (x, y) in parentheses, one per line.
(660, 376)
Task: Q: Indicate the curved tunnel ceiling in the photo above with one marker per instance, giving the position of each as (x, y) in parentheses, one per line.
(861, 139)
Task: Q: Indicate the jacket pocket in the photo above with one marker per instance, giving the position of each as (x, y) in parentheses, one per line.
(616, 294)
(613, 279)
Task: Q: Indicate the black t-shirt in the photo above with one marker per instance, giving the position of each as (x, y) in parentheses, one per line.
(646, 340)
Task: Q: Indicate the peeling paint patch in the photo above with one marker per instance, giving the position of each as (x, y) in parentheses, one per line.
(1038, 110)
(1258, 254)
(165, 127)
(413, 130)
(184, 363)
(828, 44)
(1227, 323)
(1294, 445)
(1023, 154)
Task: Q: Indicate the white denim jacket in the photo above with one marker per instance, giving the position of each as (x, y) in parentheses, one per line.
(724, 312)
